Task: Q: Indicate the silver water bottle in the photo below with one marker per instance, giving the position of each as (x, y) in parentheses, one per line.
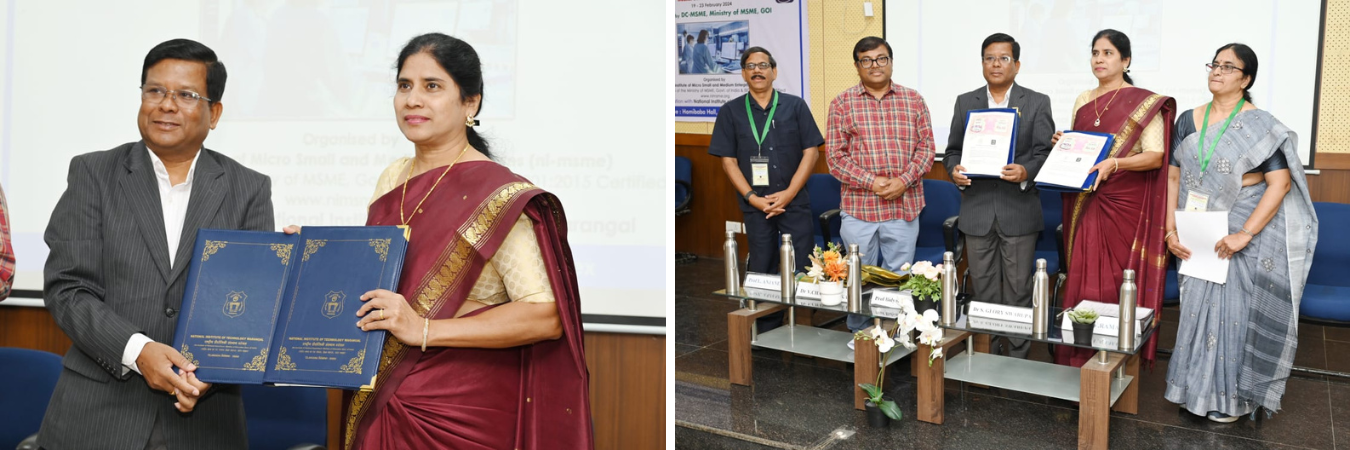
(1040, 301)
(1129, 295)
(787, 270)
(733, 273)
(854, 281)
(948, 289)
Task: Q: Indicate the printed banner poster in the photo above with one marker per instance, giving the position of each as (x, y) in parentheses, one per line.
(711, 36)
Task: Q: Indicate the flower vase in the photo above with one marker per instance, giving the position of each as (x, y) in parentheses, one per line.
(831, 293)
(876, 418)
(1082, 333)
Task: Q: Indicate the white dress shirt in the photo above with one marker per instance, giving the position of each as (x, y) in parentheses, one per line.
(1004, 104)
(1006, 96)
(174, 200)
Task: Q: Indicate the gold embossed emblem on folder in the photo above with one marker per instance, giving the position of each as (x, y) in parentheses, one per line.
(234, 304)
(332, 304)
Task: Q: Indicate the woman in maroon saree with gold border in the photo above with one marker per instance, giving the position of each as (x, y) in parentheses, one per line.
(1120, 224)
(485, 346)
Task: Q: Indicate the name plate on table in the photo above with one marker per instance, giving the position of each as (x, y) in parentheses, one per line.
(809, 303)
(891, 298)
(998, 325)
(763, 281)
(1105, 326)
(808, 290)
(772, 295)
(271, 308)
(1000, 312)
(885, 312)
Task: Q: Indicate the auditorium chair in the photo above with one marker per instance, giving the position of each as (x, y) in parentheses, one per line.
(27, 379)
(1326, 298)
(824, 191)
(937, 223)
(684, 193)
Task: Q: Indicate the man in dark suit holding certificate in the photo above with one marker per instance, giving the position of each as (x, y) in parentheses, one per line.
(1001, 217)
(120, 238)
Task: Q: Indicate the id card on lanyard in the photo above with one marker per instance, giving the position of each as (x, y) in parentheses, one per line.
(759, 164)
(1197, 200)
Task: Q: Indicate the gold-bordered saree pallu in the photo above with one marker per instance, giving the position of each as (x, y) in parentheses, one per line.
(470, 398)
(1121, 224)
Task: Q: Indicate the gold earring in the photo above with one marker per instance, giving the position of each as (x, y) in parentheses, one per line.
(469, 121)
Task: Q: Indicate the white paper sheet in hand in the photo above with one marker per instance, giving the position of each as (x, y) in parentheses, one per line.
(1199, 231)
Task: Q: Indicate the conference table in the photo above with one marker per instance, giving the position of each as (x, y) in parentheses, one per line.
(1108, 382)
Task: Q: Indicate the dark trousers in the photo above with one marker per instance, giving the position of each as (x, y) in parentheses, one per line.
(764, 236)
(1001, 268)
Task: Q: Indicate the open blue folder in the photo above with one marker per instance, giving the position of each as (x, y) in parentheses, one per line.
(270, 308)
(1091, 178)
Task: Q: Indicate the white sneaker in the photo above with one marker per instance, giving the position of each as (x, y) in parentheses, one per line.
(1221, 417)
(850, 344)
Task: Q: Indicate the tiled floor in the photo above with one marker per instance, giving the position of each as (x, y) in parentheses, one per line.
(797, 402)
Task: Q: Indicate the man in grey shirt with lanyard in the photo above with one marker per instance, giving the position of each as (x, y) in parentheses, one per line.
(768, 142)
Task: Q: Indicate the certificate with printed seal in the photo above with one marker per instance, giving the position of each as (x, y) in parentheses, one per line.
(989, 142)
(271, 308)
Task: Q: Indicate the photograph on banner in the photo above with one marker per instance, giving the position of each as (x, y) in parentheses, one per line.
(710, 39)
(712, 47)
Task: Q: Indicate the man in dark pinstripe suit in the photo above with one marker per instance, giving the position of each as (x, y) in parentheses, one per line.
(1001, 217)
(120, 239)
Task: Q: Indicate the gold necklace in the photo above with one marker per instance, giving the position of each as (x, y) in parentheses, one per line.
(1098, 122)
(404, 199)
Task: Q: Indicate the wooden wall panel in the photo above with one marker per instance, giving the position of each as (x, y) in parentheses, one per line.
(628, 390)
(1330, 185)
(34, 328)
(628, 378)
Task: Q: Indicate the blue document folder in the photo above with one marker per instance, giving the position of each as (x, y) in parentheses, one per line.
(1091, 178)
(270, 308)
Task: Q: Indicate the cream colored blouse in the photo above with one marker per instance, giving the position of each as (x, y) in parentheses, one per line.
(1152, 139)
(515, 273)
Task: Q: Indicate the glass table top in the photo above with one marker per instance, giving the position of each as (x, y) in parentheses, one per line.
(997, 327)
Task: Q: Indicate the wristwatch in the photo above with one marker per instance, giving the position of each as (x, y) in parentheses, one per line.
(749, 194)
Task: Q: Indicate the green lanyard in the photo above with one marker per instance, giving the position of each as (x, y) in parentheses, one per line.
(1204, 156)
(754, 130)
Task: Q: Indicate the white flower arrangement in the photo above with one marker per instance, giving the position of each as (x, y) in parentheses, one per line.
(930, 334)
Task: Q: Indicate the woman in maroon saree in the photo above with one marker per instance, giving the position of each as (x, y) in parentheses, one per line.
(1119, 224)
(485, 346)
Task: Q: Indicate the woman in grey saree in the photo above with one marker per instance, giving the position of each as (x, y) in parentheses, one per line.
(1235, 342)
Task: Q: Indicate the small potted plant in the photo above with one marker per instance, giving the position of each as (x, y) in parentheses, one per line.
(1083, 322)
(881, 409)
(829, 270)
(924, 284)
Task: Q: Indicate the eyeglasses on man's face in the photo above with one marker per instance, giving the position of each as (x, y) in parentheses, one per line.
(183, 98)
(760, 66)
(1222, 68)
(989, 60)
(879, 62)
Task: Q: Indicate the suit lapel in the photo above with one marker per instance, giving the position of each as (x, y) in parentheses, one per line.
(208, 192)
(1015, 98)
(141, 191)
